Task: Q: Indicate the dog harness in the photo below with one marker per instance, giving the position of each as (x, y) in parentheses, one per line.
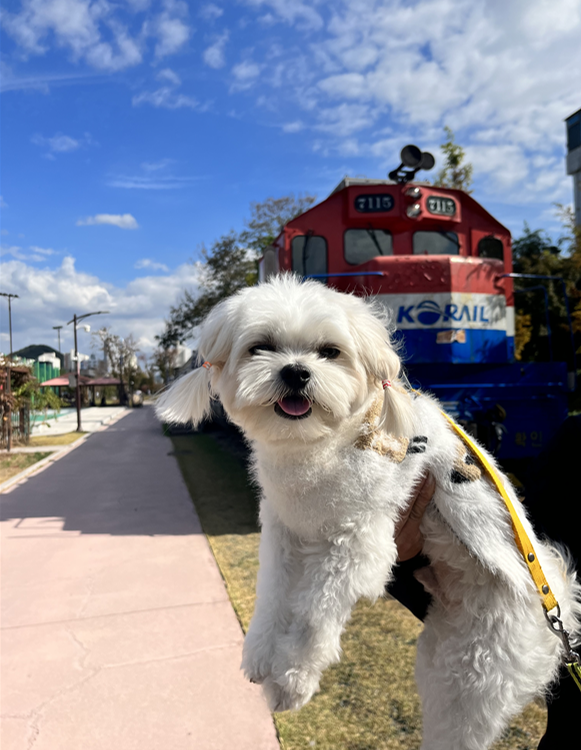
(570, 657)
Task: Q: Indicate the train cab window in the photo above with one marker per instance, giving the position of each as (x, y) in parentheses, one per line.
(436, 243)
(490, 247)
(309, 254)
(362, 245)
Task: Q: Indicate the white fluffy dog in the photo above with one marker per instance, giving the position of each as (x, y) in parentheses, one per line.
(299, 367)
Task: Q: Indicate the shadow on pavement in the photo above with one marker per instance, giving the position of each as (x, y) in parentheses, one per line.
(123, 481)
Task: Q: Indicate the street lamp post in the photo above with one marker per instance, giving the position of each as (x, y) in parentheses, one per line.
(58, 330)
(10, 297)
(75, 320)
(8, 374)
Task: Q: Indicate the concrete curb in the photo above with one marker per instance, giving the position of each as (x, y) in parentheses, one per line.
(44, 463)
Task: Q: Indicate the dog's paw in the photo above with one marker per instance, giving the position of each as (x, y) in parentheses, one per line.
(254, 672)
(290, 691)
(256, 660)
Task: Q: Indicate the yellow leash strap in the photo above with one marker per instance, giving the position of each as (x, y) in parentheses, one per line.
(522, 540)
(570, 657)
(575, 671)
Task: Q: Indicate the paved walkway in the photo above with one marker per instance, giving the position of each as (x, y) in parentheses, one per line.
(117, 630)
(92, 418)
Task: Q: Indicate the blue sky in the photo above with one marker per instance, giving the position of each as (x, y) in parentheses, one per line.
(134, 131)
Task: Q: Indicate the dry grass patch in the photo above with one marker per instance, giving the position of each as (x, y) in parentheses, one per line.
(368, 701)
(12, 464)
(66, 439)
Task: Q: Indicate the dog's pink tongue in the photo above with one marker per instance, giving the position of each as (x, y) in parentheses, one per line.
(296, 406)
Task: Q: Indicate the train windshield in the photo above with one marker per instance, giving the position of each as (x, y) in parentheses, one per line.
(309, 254)
(362, 245)
(436, 243)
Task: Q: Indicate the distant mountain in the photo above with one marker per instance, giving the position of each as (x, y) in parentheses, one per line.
(35, 350)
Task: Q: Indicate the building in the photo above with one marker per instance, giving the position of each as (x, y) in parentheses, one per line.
(574, 159)
(47, 366)
(70, 365)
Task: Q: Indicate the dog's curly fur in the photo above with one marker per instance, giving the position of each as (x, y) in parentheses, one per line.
(299, 367)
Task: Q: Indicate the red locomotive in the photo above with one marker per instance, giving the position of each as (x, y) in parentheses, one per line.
(441, 263)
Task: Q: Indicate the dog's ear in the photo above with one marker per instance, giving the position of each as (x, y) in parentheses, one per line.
(382, 362)
(189, 399)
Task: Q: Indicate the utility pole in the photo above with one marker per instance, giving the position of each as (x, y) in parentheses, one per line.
(8, 374)
(75, 320)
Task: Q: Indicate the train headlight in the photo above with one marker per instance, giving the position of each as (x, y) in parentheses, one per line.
(414, 192)
(414, 210)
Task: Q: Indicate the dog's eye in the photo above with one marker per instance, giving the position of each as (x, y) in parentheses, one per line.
(258, 348)
(329, 352)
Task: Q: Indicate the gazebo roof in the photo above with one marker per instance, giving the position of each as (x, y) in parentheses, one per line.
(103, 381)
(64, 380)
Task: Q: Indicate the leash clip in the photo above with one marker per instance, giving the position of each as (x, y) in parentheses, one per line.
(555, 623)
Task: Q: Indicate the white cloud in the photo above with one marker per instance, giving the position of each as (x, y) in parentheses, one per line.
(154, 176)
(50, 297)
(151, 264)
(42, 82)
(61, 143)
(500, 74)
(172, 32)
(346, 119)
(108, 36)
(245, 73)
(166, 96)
(211, 12)
(293, 127)
(34, 253)
(169, 75)
(3, 203)
(76, 25)
(156, 166)
(123, 221)
(214, 54)
(291, 12)
(147, 182)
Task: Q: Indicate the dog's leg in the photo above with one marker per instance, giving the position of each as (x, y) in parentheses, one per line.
(271, 614)
(476, 671)
(335, 575)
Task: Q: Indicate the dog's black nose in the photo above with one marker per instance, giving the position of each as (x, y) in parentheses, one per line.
(295, 376)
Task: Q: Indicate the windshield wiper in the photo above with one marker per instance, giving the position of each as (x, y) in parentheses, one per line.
(371, 233)
(308, 236)
(453, 237)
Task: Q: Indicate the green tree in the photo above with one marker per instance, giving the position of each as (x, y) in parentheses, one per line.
(455, 173)
(230, 264)
(39, 401)
(268, 218)
(535, 253)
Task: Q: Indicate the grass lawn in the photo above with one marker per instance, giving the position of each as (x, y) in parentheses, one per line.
(369, 700)
(13, 463)
(65, 439)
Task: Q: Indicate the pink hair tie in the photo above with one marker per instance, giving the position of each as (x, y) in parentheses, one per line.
(386, 384)
(207, 365)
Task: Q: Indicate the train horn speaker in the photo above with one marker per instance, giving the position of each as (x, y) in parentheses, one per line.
(411, 157)
(412, 160)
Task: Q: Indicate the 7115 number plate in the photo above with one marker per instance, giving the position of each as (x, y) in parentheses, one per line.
(441, 206)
